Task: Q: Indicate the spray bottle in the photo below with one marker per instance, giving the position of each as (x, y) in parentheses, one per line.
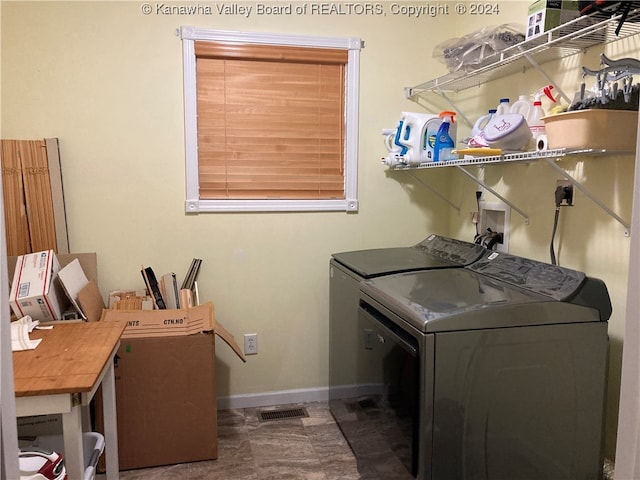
(444, 143)
(534, 120)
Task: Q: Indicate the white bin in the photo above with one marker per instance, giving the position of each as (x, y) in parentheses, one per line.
(93, 447)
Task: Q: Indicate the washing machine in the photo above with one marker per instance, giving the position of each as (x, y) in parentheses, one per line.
(347, 270)
(493, 371)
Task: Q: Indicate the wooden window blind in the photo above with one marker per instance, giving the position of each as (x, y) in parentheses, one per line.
(270, 121)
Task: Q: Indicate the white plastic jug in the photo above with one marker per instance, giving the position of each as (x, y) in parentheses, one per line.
(522, 106)
(504, 107)
(414, 136)
(482, 122)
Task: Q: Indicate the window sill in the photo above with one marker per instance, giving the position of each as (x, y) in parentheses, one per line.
(203, 206)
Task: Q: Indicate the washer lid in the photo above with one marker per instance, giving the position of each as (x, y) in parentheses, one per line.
(433, 252)
(461, 299)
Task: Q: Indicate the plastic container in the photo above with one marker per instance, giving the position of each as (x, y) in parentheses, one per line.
(413, 136)
(482, 122)
(614, 130)
(444, 142)
(504, 107)
(508, 132)
(534, 120)
(92, 443)
(522, 106)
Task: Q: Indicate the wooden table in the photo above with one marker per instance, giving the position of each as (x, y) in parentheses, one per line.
(62, 375)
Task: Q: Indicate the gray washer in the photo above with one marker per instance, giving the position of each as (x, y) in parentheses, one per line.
(510, 357)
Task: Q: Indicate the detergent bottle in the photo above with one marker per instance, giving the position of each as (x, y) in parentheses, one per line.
(504, 107)
(413, 135)
(444, 141)
(482, 122)
(522, 106)
(534, 120)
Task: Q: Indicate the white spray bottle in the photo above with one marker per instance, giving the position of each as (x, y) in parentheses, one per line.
(534, 120)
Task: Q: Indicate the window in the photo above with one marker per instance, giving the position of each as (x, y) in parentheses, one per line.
(271, 121)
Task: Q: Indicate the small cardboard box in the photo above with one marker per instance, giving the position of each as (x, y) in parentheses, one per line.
(88, 298)
(543, 15)
(35, 289)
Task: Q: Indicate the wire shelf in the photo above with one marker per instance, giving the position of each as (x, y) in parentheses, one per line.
(511, 157)
(568, 39)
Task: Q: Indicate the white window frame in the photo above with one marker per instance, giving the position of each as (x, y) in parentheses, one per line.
(193, 202)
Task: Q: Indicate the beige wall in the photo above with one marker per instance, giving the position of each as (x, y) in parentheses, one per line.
(107, 81)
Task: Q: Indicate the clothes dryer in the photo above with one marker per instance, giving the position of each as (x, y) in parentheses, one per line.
(493, 371)
(347, 270)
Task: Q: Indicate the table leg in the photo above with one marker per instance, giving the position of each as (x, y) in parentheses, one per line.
(110, 423)
(73, 451)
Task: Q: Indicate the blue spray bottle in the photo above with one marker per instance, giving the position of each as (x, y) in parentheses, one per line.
(444, 143)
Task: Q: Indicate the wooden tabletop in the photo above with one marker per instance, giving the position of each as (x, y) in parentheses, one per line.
(69, 359)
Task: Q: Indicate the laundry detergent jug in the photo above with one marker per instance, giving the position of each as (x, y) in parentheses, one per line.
(414, 135)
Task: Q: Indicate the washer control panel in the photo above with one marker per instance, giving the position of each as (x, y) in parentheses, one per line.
(552, 280)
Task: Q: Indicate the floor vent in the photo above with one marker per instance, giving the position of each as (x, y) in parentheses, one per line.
(367, 403)
(282, 414)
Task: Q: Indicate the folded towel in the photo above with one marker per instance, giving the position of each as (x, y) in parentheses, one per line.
(20, 330)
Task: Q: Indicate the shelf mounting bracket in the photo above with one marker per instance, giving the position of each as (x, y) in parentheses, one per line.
(546, 76)
(454, 106)
(438, 194)
(592, 197)
(484, 185)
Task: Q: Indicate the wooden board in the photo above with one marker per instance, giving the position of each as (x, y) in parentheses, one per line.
(15, 214)
(69, 359)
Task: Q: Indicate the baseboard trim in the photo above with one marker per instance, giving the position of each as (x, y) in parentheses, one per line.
(267, 399)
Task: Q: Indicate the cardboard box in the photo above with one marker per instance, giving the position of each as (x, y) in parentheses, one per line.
(166, 400)
(172, 322)
(165, 388)
(544, 15)
(168, 322)
(88, 298)
(35, 289)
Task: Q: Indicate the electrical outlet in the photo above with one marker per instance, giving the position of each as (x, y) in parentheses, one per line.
(567, 186)
(251, 344)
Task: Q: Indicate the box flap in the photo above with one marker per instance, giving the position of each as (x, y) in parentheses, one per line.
(91, 301)
(73, 280)
(88, 262)
(229, 340)
(206, 310)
